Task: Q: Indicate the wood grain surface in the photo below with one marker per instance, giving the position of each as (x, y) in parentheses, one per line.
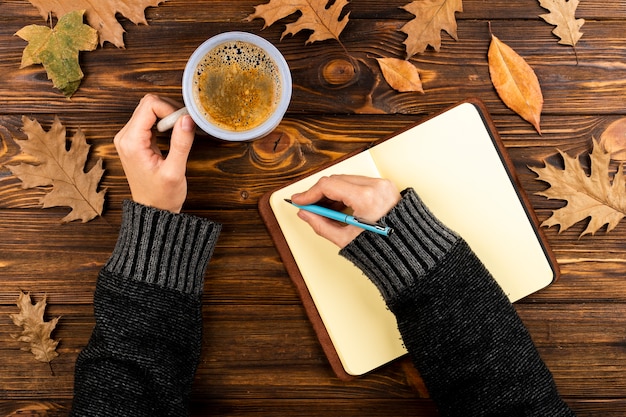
(260, 354)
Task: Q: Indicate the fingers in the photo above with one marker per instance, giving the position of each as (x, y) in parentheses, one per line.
(149, 109)
(369, 198)
(336, 187)
(335, 232)
(180, 144)
(154, 180)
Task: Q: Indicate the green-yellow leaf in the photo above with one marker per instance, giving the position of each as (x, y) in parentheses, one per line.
(57, 49)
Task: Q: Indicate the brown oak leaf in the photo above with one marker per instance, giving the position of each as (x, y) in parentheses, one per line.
(562, 15)
(101, 14)
(401, 75)
(515, 81)
(35, 331)
(57, 49)
(431, 17)
(62, 169)
(591, 196)
(325, 22)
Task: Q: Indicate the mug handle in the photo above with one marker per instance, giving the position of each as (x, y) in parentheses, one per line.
(169, 121)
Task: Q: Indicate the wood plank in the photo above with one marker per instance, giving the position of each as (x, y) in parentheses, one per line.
(260, 354)
(457, 71)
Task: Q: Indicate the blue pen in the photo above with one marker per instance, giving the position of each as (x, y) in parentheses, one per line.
(344, 218)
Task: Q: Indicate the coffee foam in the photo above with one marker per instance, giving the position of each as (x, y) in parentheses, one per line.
(237, 85)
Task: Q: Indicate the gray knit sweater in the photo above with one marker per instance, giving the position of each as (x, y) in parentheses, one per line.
(464, 336)
(143, 353)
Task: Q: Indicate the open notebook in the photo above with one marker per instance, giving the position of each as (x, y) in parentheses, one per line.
(459, 167)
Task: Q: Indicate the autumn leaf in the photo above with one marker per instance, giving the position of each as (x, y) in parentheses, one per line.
(400, 74)
(100, 15)
(35, 331)
(431, 17)
(613, 140)
(62, 169)
(588, 196)
(324, 21)
(515, 81)
(57, 49)
(562, 15)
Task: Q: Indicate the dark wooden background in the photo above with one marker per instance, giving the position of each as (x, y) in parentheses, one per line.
(260, 355)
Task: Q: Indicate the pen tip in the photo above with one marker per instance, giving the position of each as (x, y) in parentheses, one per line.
(288, 200)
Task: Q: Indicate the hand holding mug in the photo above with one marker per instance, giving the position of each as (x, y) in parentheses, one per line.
(154, 180)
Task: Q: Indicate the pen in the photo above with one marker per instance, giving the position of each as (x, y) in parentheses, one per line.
(344, 218)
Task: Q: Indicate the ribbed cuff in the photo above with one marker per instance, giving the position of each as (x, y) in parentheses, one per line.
(418, 243)
(163, 248)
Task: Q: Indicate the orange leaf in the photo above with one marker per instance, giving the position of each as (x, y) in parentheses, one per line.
(431, 17)
(613, 140)
(515, 81)
(400, 74)
(323, 21)
(588, 196)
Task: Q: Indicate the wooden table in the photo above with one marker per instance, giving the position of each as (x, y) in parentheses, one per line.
(260, 355)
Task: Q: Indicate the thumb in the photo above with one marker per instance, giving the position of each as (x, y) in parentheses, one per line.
(182, 138)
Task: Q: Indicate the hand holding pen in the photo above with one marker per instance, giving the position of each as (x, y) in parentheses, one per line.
(369, 198)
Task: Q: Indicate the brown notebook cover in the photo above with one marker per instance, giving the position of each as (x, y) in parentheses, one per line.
(458, 165)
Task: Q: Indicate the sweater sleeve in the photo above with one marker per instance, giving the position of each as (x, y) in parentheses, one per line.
(461, 331)
(143, 352)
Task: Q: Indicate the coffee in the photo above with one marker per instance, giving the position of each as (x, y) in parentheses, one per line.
(237, 86)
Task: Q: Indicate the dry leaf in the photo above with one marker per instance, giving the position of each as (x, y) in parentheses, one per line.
(515, 81)
(323, 21)
(562, 15)
(613, 140)
(35, 331)
(62, 169)
(400, 74)
(57, 49)
(431, 17)
(101, 14)
(592, 196)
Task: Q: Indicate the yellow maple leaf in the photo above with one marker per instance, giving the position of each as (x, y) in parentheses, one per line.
(62, 169)
(35, 331)
(591, 196)
(101, 14)
(324, 21)
(431, 17)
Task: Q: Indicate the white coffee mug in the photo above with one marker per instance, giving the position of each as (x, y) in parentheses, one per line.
(199, 114)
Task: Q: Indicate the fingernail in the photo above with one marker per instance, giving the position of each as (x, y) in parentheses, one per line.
(187, 124)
